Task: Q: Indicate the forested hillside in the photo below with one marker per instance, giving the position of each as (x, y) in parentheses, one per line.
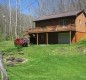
(48, 7)
(13, 22)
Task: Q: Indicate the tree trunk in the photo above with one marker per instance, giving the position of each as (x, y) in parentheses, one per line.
(2, 69)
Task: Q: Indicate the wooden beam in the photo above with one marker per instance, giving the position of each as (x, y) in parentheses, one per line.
(70, 36)
(37, 39)
(47, 38)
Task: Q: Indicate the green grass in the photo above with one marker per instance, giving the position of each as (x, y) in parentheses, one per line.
(52, 62)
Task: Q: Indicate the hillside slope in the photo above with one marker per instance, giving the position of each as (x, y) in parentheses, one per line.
(82, 41)
(52, 62)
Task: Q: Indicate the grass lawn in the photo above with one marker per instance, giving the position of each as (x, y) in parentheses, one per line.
(52, 62)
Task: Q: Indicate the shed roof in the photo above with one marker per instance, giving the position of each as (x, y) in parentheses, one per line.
(60, 15)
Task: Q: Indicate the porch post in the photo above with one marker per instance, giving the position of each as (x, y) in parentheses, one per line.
(75, 37)
(37, 39)
(47, 38)
(70, 36)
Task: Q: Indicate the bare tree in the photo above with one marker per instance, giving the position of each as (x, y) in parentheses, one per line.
(47, 7)
(10, 27)
(13, 22)
(2, 69)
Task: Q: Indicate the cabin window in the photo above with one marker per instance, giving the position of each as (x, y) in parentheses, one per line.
(63, 22)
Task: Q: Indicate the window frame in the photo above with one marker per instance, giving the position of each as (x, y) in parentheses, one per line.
(63, 22)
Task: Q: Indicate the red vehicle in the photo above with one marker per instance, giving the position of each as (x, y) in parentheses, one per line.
(21, 42)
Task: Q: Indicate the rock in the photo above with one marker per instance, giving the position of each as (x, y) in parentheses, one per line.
(21, 53)
(10, 59)
(10, 63)
(19, 60)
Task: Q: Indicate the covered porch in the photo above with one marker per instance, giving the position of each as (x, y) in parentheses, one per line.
(64, 37)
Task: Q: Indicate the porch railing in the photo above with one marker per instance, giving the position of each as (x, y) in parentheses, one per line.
(52, 29)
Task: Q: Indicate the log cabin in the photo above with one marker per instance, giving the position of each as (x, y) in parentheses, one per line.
(63, 28)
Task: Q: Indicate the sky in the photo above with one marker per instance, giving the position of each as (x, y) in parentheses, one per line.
(26, 5)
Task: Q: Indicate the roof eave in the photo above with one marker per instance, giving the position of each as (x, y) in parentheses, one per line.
(53, 18)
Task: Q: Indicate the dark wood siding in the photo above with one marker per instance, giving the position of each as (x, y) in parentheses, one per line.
(54, 22)
(42, 38)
